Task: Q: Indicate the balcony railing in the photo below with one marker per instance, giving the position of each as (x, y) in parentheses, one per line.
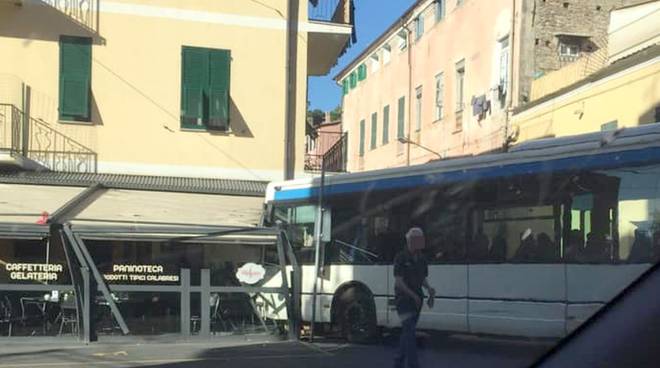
(334, 160)
(83, 12)
(35, 140)
(10, 132)
(335, 11)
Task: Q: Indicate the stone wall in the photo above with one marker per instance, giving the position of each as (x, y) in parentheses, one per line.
(555, 18)
(545, 22)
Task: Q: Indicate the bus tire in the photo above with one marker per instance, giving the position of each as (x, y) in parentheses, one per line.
(358, 318)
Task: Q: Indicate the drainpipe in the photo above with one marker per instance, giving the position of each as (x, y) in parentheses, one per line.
(290, 96)
(25, 129)
(509, 97)
(409, 41)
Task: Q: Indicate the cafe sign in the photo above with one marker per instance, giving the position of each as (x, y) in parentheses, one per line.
(251, 273)
(34, 271)
(139, 273)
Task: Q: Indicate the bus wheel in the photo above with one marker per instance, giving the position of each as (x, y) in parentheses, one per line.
(358, 320)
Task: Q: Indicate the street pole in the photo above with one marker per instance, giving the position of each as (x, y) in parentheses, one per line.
(318, 234)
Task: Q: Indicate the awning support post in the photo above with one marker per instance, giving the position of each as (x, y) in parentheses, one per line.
(318, 234)
(296, 282)
(85, 259)
(87, 305)
(291, 315)
(205, 320)
(185, 302)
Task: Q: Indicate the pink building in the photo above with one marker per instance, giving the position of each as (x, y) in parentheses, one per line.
(434, 85)
(443, 80)
(319, 141)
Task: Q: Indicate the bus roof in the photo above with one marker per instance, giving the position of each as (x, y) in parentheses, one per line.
(601, 150)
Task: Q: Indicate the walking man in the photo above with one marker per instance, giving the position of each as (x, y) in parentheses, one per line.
(410, 272)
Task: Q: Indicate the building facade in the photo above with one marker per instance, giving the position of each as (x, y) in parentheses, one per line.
(430, 80)
(193, 89)
(322, 139)
(137, 138)
(442, 81)
(556, 33)
(624, 93)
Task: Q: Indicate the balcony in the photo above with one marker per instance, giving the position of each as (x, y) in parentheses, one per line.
(333, 160)
(31, 144)
(330, 31)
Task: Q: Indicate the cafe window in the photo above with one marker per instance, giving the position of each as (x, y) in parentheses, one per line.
(25, 261)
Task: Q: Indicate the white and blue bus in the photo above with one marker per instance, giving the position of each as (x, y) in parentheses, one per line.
(525, 243)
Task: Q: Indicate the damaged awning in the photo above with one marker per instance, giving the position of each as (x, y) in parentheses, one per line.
(167, 216)
(25, 204)
(104, 213)
(24, 209)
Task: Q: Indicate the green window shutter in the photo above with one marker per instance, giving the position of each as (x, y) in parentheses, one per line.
(374, 130)
(353, 78)
(194, 85)
(401, 117)
(386, 124)
(362, 72)
(219, 78)
(75, 78)
(345, 86)
(362, 138)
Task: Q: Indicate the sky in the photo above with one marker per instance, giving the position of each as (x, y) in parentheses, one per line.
(372, 17)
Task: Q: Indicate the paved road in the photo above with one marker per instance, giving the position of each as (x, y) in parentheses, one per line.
(258, 352)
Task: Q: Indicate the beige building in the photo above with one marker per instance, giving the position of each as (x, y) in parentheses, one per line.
(195, 88)
(624, 93)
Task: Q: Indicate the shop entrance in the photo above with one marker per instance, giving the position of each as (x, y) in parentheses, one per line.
(197, 282)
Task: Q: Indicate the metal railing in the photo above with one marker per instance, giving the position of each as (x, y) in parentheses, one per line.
(335, 11)
(334, 160)
(10, 129)
(34, 139)
(83, 12)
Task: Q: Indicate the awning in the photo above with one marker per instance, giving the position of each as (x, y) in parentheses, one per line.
(132, 214)
(133, 207)
(24, 204)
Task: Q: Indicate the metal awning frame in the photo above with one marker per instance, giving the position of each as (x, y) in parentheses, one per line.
(86, 277)
(9, 230)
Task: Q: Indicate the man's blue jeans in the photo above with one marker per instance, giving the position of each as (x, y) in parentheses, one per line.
(408, 341)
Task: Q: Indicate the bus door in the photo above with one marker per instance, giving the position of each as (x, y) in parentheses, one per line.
(608, 222)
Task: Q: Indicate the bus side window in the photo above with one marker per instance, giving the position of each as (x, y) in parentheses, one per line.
(515, 234)
(593, 234)
(445, 227)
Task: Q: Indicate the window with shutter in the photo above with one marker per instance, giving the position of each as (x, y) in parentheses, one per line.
(75, 78)
(386, 124)
(362, 72)
(194, 78)
(219, 63)
(205, 79)
(353, 80)
(374, 130)
(362, 138)
(401, 118)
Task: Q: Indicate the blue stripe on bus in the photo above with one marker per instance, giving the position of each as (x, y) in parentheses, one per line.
(595, 162)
